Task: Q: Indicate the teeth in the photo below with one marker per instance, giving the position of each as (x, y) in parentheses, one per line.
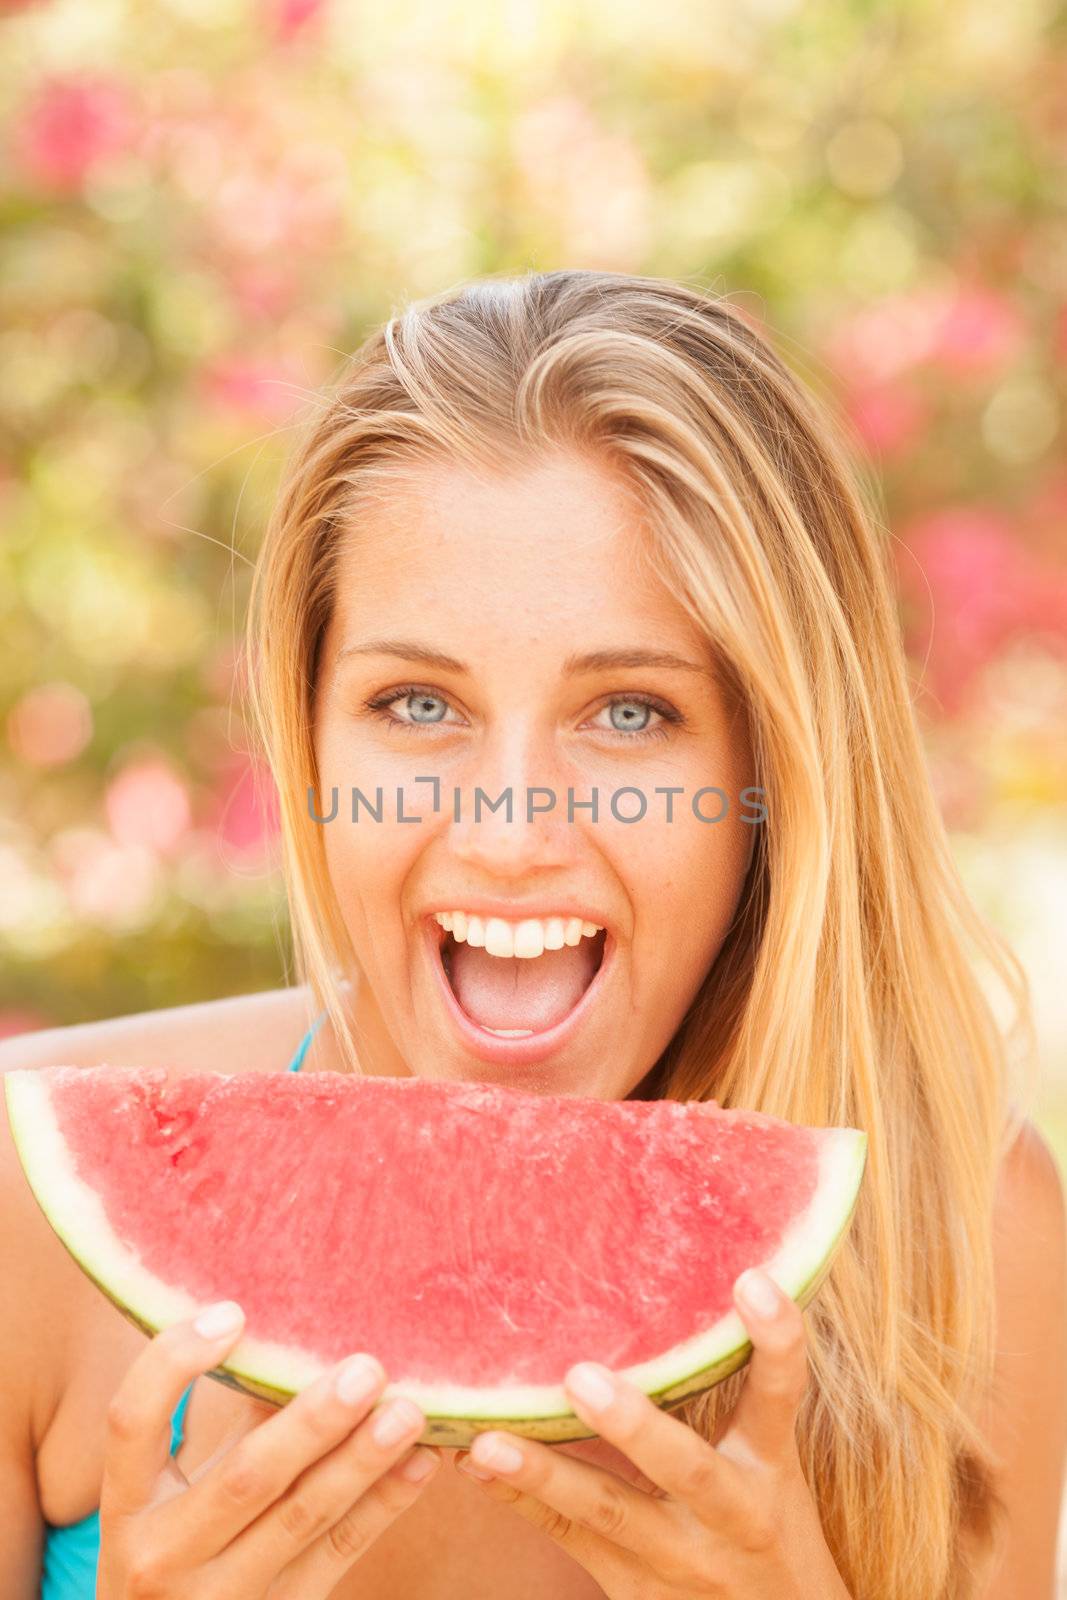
(499, 938)
(528, 939)
(525, 940)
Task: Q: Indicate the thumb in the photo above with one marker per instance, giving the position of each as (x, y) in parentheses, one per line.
(777, 1376)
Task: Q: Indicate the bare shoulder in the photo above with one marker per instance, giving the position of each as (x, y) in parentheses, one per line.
(1028, 1420)
(1030, 1243)
(243, 1033)
(1030, 1169)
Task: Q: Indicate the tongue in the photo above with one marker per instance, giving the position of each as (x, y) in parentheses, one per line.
(517, 993)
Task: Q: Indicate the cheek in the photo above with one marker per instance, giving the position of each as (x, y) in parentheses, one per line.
(370, 863)
(354, 865)
(684, 880)
(367, 862)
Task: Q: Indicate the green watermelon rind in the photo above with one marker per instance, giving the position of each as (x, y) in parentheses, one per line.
(454, 1414)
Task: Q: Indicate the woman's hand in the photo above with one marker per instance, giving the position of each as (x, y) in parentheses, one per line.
(735, 1520)
(283, 1513)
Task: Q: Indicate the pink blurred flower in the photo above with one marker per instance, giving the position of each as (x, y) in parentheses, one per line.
(256, 387)
(50, 724)
(246, 813)
(285, 18)
(875, 343)
(262, 289)
(148, 804)
(1047, 609)
(269, 189)
(972, 587)
(981, 332)
(73, 122)
(887, 417)
(278, 193)
(968, 328)
(113, 885)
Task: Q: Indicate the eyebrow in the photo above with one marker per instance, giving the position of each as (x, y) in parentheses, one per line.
(573, 665)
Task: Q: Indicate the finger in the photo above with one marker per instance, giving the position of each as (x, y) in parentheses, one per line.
(363, 1520)
(765, 1416)
(667, 1450)
(265, 1461)
(322, 1496)
(598, 1556)
(591, 1550)
(571, 1499)
(139, 1416)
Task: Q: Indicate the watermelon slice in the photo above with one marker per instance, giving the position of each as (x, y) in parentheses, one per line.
(477, 1239)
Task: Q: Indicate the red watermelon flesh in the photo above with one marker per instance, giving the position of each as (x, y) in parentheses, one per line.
(478, 1239)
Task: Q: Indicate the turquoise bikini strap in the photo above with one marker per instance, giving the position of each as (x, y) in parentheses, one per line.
(305, 1045)
(177, 1421)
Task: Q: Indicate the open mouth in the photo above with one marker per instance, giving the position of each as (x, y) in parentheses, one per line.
(511, 1005)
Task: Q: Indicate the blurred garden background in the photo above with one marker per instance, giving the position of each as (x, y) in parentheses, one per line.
(206, 203)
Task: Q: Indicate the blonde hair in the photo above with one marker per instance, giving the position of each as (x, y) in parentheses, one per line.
(847, 991)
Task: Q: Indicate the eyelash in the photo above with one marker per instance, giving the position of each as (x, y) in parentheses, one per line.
(378, 706)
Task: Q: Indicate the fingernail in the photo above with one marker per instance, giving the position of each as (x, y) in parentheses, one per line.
(357, 1378)
(225, 1317)
(758, 1292)
(592, 1384)
(393, 1422)
(418, 1466)
(498, 1455)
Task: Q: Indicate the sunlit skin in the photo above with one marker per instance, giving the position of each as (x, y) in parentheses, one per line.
(513, 578)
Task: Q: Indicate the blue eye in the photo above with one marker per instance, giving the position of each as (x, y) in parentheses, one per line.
(630, 716)
(629, 713)
(426, 706)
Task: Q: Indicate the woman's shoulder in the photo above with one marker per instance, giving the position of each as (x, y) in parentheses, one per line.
(241, 1033)
(1029, 1167)
(1025, 1421)
(1030, 1237)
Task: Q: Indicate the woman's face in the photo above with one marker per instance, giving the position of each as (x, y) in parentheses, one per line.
(489, 635)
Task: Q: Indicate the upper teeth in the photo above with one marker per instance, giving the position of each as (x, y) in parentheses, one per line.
(528, 938)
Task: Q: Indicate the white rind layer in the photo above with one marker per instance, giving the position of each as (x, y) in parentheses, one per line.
(454, 1413)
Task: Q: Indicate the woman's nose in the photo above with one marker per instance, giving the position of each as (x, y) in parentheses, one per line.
(510, 814)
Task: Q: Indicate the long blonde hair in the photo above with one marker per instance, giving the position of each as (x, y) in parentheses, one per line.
(847, 990)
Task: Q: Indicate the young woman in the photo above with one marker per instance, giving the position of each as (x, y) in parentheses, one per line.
(583, 536)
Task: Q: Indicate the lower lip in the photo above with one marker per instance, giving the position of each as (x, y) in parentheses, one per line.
(533, 1047)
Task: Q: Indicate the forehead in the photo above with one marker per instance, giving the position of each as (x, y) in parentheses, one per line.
(560, 544)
